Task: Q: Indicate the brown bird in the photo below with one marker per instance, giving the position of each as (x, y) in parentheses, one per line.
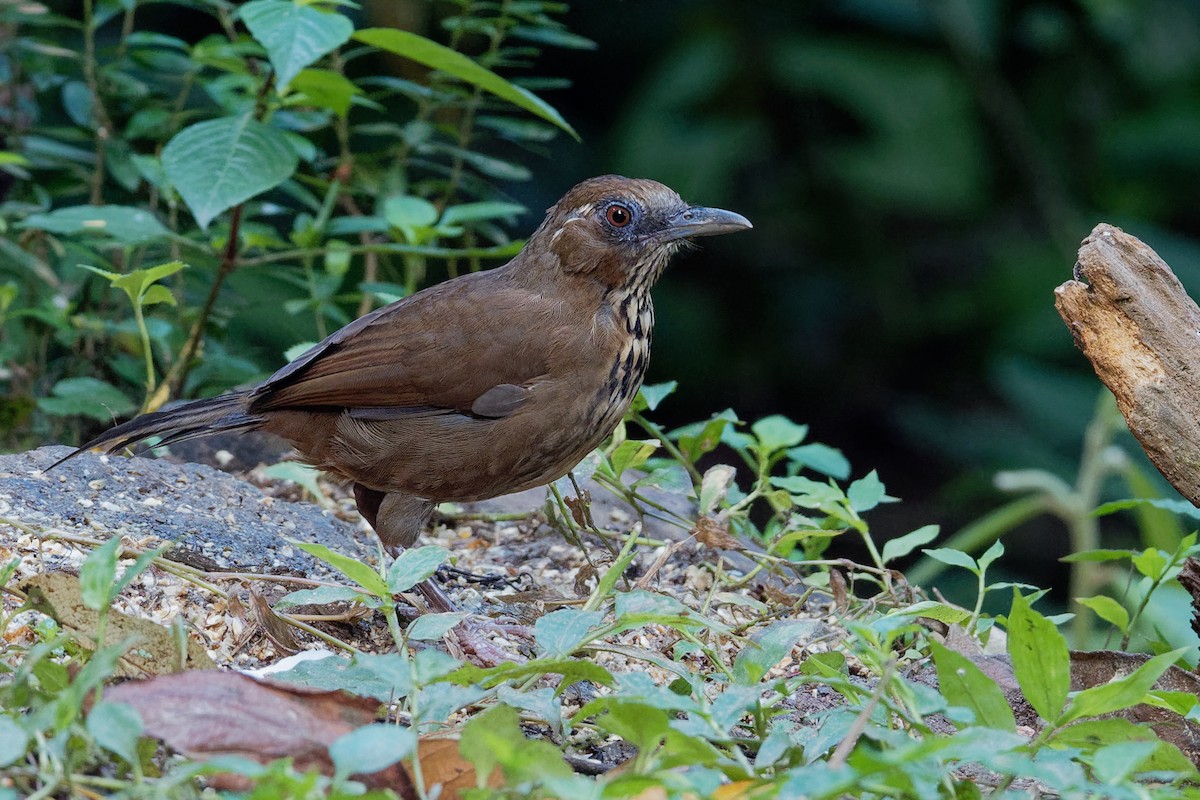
(490, 383)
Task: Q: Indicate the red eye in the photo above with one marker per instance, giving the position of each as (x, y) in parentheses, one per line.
(618, 215)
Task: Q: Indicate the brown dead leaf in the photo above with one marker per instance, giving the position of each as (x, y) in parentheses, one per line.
(58, 595)
(272, 624)
(713, 531)
(442, 763)
(837, 586)
(205, 713)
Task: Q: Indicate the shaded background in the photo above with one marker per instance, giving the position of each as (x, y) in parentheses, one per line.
(920, 175)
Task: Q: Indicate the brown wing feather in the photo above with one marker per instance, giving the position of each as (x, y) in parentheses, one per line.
(414, 352)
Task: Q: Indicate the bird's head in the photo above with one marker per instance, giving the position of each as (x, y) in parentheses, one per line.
(622, 231)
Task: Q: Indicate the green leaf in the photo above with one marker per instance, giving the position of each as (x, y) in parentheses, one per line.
(326, 88)
(413, 566)
(638, 724)
(955, 558)
(821, 458)
(1181, 507)
(931, 609)
(990, 555)
(483, 210)
(371, 748)
(125, 224)
(1151, 562)
(768, 648)
(903, 545)
(631, 454)
(322, 595)
(777, 432)
(432, 627)
(303, 475)
(353, 569)
(220, 163)
(98, 574)
(1040, 659)
(432, 54)
(13, 741)
(294, 34)
(867, 492)
(1108, 610)
(655, 393)
(561, 632)
(116, 727)
(1121, 693)
(89, 397)
(964, 684)
(572, 670)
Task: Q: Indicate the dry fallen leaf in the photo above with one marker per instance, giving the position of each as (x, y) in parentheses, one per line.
(713, 531)
(58, 595)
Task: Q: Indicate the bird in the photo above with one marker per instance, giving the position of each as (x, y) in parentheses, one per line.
(489, 383)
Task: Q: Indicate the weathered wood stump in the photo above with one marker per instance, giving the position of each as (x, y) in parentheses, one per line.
(1131, 317)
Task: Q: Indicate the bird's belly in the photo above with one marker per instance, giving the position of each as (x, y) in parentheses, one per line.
(460, 458)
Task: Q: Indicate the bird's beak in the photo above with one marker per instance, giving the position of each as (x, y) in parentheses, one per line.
(701, 221)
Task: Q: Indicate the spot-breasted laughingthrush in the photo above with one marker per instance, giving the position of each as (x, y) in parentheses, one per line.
(489, 383)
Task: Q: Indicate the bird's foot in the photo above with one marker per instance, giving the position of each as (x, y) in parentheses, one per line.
(487, 642)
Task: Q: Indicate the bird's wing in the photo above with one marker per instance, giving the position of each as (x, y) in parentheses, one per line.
(458, 346)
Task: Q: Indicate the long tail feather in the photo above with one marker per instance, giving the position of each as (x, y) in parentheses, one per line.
(190, 421)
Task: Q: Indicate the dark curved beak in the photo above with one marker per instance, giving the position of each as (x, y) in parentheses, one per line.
(701, 221)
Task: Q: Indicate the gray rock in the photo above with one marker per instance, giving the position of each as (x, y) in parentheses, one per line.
(224, 522)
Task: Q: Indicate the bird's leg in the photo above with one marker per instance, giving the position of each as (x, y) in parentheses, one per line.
(398, 520)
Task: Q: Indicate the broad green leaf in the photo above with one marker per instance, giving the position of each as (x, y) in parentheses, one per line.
(386, 678)
(1121, 693)
(964, 684)
(294, 34)
(125, 224)
(432, 54)
(414, 216)
(777, 432)
(1181, 507)
(413, 566)
(216, 164)
(655, 393)
(485, 209)
(631, 454)
(638, 724)
(560, 632)
(98, 574)
(431, 627)
(116, 727)
(371, 748)
(136, 283)
(867, 492)
(821, 458)
(13, 741)
(303, 475)
(572, 670)
(322, 595)
(768, 648)
(1040, 659)
(955, 558)
(326, 88)
(1097, 555)
(1151, 562)
(1108, 610)
(903, 545)
(990, 555)
(88, 397)
(352, 568)
(931, 609)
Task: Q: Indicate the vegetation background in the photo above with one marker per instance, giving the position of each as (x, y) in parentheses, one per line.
(919, 173)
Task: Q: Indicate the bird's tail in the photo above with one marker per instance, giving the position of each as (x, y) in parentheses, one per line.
(226, 412)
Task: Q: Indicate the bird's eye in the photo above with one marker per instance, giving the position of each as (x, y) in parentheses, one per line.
(618, 215)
